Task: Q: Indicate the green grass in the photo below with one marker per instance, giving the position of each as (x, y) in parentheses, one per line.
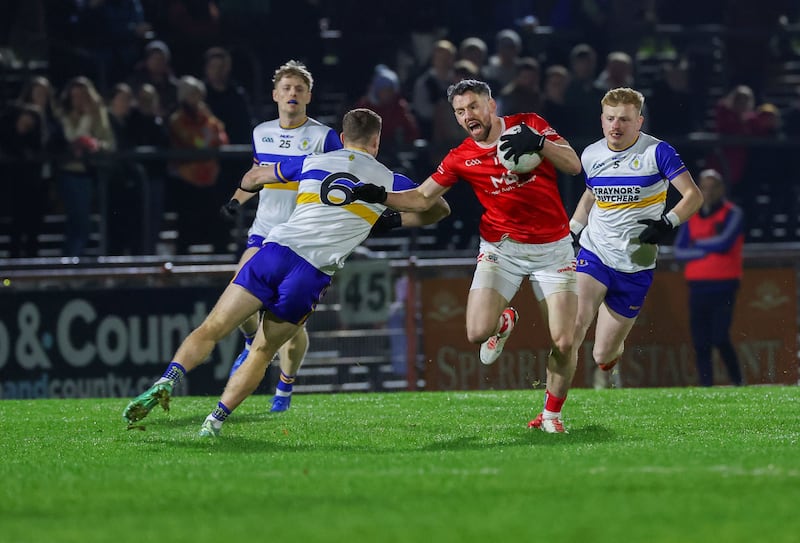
(650, 465)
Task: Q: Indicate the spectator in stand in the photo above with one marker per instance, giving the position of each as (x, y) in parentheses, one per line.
(502, 65)
(734, 114)
(39, 92)
(523, 93)
(766, 162)
(384, 98)
(554, 100)
(127, 192)
(618, 72)
(226, 98)
(156, 69)
(672, 107)
(21, 143)
(476, 51)
(147, 128)
(194, 188)
(87, 130)
(711, 244)
(582, 97)
(430, 88)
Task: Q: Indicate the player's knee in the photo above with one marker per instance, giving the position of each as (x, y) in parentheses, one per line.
(604, 355)
(479, 333)
(563, 345)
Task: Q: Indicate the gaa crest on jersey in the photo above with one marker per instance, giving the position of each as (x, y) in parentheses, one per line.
(305, 144)
(636, 163)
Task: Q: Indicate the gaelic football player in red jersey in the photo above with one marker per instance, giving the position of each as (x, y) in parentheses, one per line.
(524, 230)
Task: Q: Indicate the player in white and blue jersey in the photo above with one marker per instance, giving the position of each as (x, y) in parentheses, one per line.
(620, 220)
(293, 133)
(288, 276)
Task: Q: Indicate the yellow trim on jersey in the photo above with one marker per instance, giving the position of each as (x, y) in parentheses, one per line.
(288, 185)
(356, 209)
(293, 126)
(659, 198)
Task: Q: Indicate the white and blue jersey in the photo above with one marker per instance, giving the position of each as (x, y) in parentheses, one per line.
(273, 143)
(294, 268)
(319, 230)
(628, 186)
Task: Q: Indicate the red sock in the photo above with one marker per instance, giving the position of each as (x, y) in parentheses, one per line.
(505, 322)
(553, 403)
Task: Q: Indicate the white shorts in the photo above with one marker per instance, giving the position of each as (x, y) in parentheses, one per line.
(549, 266)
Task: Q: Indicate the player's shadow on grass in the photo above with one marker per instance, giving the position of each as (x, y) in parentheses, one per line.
(181, 431)
(526, 438)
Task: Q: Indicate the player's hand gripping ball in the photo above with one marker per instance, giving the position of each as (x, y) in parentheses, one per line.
(514, 159)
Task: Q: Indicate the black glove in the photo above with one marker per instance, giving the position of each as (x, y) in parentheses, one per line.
(656, 230)
(522, 143)
(388, 221)
(230, 210)
(368, 192)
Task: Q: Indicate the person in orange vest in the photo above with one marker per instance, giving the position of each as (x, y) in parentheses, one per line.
(711, 244)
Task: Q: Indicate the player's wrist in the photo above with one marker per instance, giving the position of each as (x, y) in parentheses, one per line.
(673, 219)
(576, 227)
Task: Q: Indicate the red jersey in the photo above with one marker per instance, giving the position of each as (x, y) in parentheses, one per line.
(524, 207)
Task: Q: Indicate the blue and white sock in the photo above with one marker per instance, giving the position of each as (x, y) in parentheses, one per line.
(174, 373)
(285, 385)
(218, 415)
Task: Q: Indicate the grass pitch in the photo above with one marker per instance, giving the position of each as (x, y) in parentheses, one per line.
(650, 465)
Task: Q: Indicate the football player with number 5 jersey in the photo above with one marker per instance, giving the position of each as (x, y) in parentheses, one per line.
(620, 219)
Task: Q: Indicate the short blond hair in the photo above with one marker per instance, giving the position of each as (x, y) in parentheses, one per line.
(624, 96)
(294, 68)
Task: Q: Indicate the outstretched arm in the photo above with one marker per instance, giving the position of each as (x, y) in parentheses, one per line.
(421, 198)
(254, 180)
(438, 211)
(242, 196)
(230, 210)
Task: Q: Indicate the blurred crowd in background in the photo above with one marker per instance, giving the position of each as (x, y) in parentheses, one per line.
(86, 79)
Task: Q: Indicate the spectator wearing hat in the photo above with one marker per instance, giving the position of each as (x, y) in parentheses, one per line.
(194, 193)
(383, 97)
(156, 69)
(502, 65)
